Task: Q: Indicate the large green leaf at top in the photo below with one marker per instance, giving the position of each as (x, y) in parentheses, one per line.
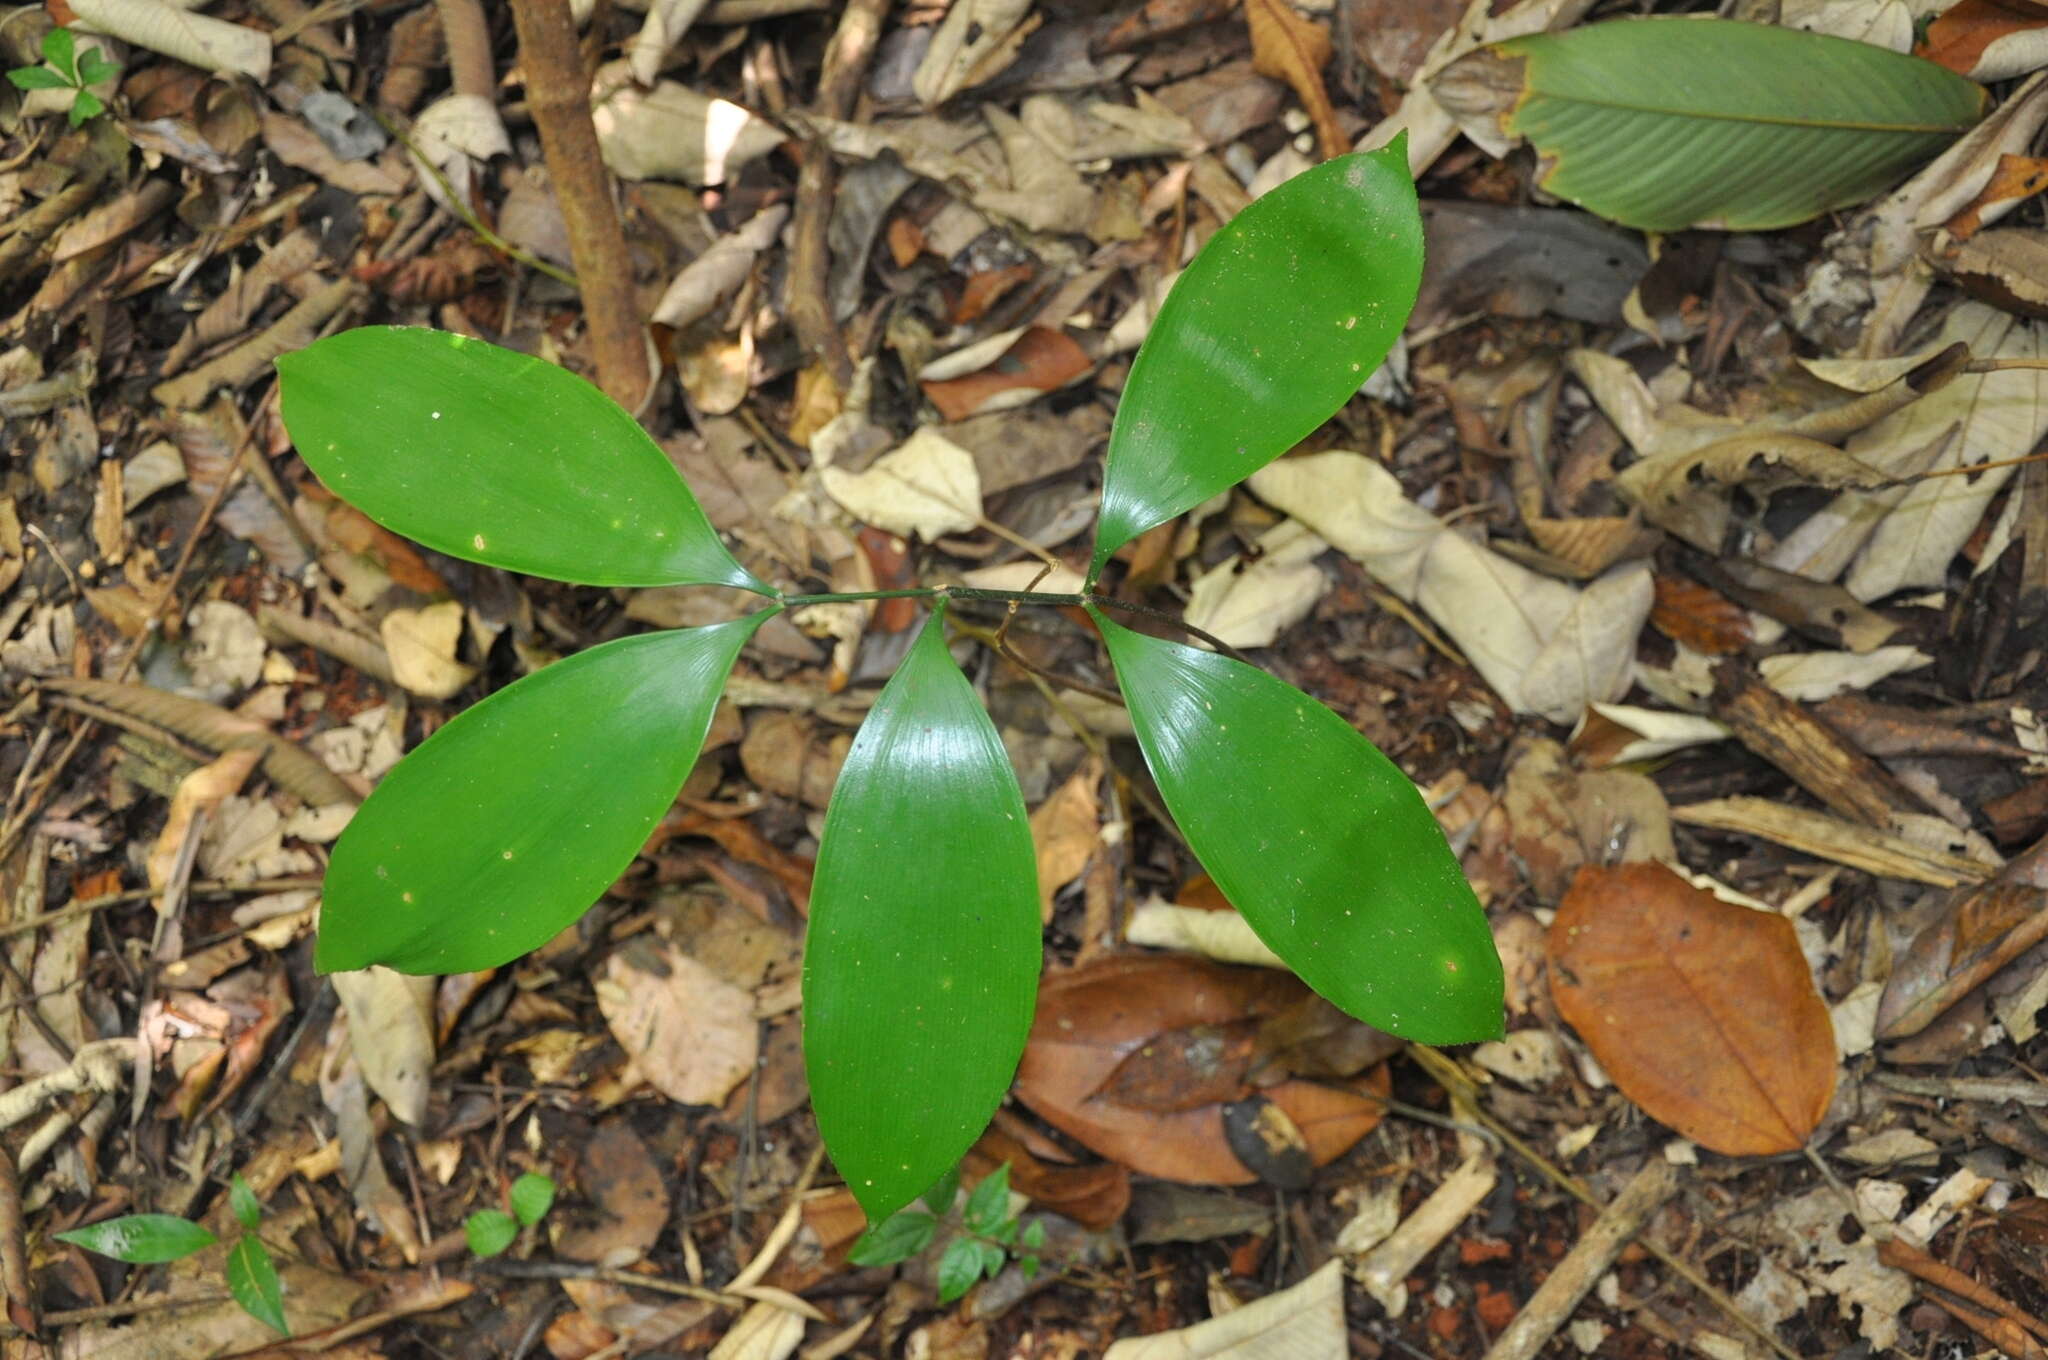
(497, 457)
(921, 964)
(1669, 123)
(505, 825)
(1283, 314)
(1318, 840)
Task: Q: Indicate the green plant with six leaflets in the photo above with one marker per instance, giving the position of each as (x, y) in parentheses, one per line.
(152, 1239)
(989, 1234)
(924, 947)
(491, 1231)
(67, 69)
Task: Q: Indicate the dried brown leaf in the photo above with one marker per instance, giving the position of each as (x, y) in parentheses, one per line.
(1703, 1012)
(1288, 47)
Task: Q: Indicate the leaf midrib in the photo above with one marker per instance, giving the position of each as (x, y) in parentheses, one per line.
(1916, 129)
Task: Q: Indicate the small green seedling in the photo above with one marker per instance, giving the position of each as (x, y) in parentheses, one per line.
(924, 948)
(66, 69)
(152, 1239)
(491, 1231)
(988, 1235)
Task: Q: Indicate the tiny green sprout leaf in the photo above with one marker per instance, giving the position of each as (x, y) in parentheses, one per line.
(36, 78)
(532, 1196)
(248, 1209)
(497, 457)
(490, 1231)
(142, 1239)
(896, 1238)
(959, 1268)
(252, 1279)
(989, 1205)
(506, 824)
(94, 67)
(922, 961)
(992, 1258)
(86, 105)
(1034, 1233)
(1005, 1232)
(1321, 842)
(1282, 316)
(939, 1198)
(1029, 1265)
(59, 49)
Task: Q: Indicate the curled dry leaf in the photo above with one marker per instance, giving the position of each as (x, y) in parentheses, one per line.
(1981, 928)
(1544, 646)
(1094, 1021)
(1065, 829)
(1288, 47)
(1680, 491)
(421, 644)
(1703, 1012)
(1988, 40)
(972, 43)
(1251, 604)
(210, 44)
(929, 486)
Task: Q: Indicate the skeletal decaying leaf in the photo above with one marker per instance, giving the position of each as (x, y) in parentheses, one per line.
(1546, 647)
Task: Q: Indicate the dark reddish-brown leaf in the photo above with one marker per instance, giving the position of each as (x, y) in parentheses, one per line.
(1703, 1012)
(1040, 360)
(1091, 1021)
(1702, 619)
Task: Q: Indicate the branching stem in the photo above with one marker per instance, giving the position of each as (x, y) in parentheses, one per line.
(1033, 597)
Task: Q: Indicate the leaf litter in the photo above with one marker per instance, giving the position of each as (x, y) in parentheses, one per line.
(1462, 564)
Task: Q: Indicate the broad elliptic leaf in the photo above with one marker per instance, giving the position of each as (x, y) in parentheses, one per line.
(922, 961)
(252, 1279)
(1280, 318)
(1704, 1012)
(490, 1231)
(497, 457)
(142, 1239)
(1318, 840)
(1669, 123)
(532, 1196)
(505, 825)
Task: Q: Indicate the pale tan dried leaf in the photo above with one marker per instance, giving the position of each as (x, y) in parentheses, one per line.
(391, 1030)
(666, 22)
(1510, 622)
(1305, 1322)
(1221, 935)
(1251, 605)
(210, 44)
(223, 648)
(714, 274)
(455, 134)
(1065, 829)
(1686, 493)
(199, 792)
(974, 32)
(421, 644)
(928, 486)
(687, 1030)
(672, 132)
